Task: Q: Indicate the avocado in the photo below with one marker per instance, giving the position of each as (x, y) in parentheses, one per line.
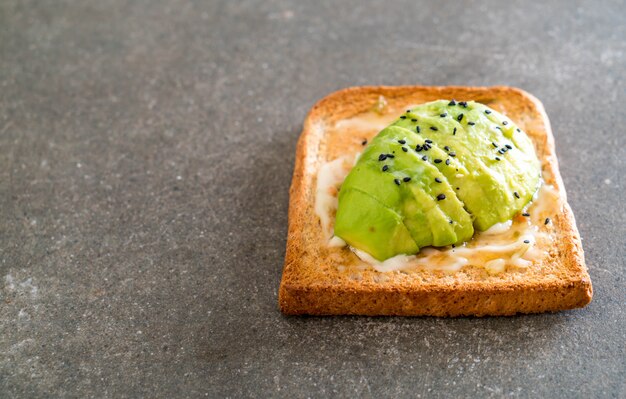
(442, 170)
(377, 224)
(416, 197)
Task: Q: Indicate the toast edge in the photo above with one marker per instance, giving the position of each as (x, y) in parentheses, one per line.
(505, 301)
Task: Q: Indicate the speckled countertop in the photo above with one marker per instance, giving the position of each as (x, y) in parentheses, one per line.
(146, 150)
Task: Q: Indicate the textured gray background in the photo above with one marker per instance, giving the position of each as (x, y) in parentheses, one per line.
(146, 150)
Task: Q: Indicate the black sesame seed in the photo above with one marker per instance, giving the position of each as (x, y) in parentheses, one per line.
(516, 194)
(402, 141)
(413, 120)
(397, 181)
(526, 241)
(403, 117)
(505, 123)
(382, 157)
(426, 147)
(390, 156)
(454, 132)
(546, 221)
(498, 127)
(424, 158)
(451, 103)
(450, 221)
(453, 246)
(385, 168)
(405, 149)
(459, 118)
(408, 110)
(508, 146)
(448, 161)
(438, 180)
(443, 115)
(433, 128)
(406, 179)
(446, 148)
(494, 144)
(418, 148)
(501, 151)
(452, 154)
(458, 188)
(518, 130)
(441, 197)
(364, 142)
(526, 214)
(497, 159)
(471, 123)
(429, 141)
(437, 160)
(487, 111)
(463, 104)
(417, 128)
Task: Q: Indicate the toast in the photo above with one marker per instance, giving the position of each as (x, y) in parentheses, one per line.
(322, 280)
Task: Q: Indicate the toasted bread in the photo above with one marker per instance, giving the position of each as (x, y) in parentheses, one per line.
(313, 284)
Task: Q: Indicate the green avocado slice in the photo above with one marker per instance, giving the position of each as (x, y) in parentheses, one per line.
(448, 220)
(408, 186)
(477, 141)
(437, 173)
(378, 224)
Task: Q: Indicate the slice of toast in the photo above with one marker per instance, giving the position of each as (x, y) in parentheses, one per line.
(315, 279)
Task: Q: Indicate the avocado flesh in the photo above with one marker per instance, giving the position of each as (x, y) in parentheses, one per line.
(479, 190)
(420, 193)
(488, 189)
(378, 224)
(446, 220)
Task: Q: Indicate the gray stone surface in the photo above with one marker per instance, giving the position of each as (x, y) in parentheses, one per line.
(146, 150)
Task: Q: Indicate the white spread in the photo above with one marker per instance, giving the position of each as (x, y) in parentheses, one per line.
(336, 242)
(329, 178)
(498, 228)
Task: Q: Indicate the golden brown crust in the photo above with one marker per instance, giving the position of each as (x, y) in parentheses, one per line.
(308, 287)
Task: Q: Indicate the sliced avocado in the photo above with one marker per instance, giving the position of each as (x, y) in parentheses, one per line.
(441, 170)
(474, 187)
(377, 224)
(493, 185)
(423, 189)
(408, 186)
(369, 178)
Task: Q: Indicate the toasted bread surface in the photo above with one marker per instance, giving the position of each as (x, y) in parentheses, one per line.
(312, 284)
